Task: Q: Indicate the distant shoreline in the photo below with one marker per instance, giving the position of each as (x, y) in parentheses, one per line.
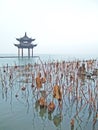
(17, 57)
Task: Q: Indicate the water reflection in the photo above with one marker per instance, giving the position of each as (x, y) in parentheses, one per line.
(67, 95)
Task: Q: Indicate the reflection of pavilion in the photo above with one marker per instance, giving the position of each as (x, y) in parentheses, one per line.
(25, 43)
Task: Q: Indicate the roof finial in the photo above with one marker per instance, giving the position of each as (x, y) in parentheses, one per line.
(25, 34)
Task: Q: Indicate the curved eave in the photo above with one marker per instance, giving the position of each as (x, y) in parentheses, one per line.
(26, 45)
(17, 45)
(18, 39)
(34, 45)
(32, 39)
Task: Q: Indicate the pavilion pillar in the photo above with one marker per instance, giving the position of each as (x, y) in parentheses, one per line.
(28, 52)
(22, 52)
(18, 52)
(32, 52)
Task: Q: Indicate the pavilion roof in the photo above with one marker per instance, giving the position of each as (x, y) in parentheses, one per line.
(25, 39)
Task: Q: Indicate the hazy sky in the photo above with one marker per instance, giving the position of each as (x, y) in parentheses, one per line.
(59, 26)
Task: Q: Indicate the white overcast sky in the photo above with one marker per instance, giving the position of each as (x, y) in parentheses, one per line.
(59, 26)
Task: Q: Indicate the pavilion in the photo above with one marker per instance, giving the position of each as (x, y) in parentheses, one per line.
(25, 43)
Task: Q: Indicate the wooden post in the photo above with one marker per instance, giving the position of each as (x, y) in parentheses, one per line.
(32, 52)
(28, 52)
(22, 52)
(18, 52)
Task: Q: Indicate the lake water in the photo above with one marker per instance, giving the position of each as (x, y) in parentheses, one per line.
(19, 109)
